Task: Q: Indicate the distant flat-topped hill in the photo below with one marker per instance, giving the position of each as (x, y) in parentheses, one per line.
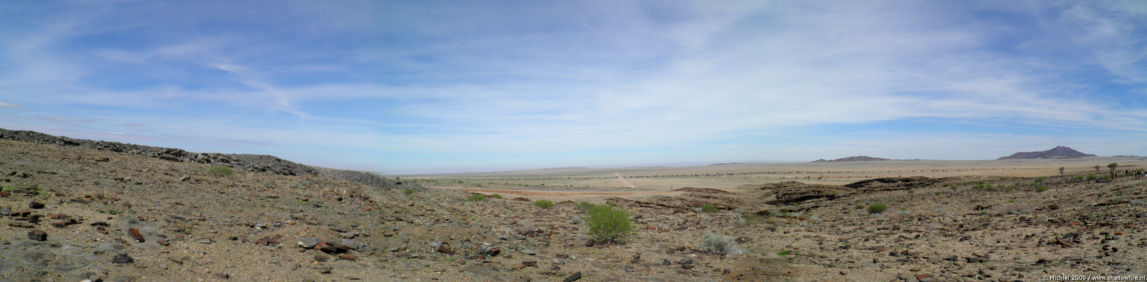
(1059, 152)
(852, 159)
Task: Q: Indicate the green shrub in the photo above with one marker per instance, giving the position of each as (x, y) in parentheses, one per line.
(1091, 177)
(709, 208)
(477, 197)
(220, 170)
(545, 204)
(584, 206)
(408, 192)
(783, 253)
(608, 224)
(1040, 180)
(1041, 188)
(877, 208)
(496, 196)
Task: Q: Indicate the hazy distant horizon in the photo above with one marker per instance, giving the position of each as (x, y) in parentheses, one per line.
(414, 86)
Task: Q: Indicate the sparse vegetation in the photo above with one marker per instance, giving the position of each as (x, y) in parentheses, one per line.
(545, 204)
(1092, 177)
(408, 192)
(220, 171)
(877, 208)
(477, 197)
(496, 196)
(1040, 180)
(783, 253)
(719, 244)
(709, 208)
(608, 224)
(584, 206)
(1041, 188)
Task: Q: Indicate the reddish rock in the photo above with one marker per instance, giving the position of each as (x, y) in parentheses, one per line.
(64, 223)
(921, 276)
(347, 257)
(135, 235)
(58, 216)
(445, 249)
(35, 205)
(162, 242)
(5, 194)
(37, 235)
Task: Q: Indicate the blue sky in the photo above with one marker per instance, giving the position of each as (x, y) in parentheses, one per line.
(406, 87)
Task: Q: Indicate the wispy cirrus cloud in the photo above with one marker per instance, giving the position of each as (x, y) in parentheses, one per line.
(461, 84)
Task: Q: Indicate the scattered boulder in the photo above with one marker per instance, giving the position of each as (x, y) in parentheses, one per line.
(308, 243)
(35, 205)
(37, 235)
(122, 259)
(573, 277)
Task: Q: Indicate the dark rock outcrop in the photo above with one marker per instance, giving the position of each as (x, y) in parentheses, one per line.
(893, 183)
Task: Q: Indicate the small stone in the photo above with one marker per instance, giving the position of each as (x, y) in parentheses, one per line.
(37, 235)
(308, 243)
(322, 258)
(122, 259)
(572, 277)
(636, 259)
(445, 249)
(35, 205)
(532, 263)
(666, 262)
(529, 252)
(5, 193)
(324, 269)
(6, 211)
(205, 241)
(223, 276)
(347, 257)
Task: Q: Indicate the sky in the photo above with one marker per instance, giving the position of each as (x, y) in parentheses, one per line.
(451, 86)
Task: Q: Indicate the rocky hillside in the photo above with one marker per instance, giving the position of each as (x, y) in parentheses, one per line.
(247, 162)
(852, 159)
(1059, 152)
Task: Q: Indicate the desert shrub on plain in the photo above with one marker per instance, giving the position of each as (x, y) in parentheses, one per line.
(709, 208)
(220, 170)
(719, 244)
(496, 196)
(877, 208)
(408, 192)
(477, 197)
(545, 204)
(1091, 177)
(584, 206)
(1041, 188)
(608, 224)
